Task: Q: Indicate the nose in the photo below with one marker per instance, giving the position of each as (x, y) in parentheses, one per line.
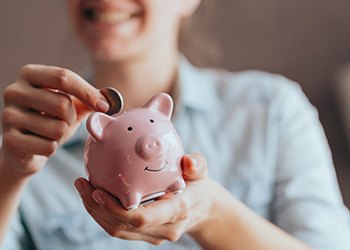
(149, 147)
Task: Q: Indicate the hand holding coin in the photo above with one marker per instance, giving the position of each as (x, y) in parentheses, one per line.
(114, 99)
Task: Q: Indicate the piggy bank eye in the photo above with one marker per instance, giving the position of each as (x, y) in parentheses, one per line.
(152, 121)
(129, 128)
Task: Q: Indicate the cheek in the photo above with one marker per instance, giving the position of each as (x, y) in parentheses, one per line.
(74, 13)
(73, 8)
(165, 9)
(162, 16)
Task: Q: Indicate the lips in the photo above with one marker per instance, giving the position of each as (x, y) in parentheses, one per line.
(111, 17)
(109, 13)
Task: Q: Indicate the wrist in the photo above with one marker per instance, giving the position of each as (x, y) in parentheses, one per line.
(10, 176)
(223, 219)
(232, 225)
(219, 200)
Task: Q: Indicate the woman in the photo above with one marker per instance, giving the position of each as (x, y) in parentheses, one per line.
(263, 156)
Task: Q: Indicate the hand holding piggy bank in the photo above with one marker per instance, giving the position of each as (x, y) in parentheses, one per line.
(135, 155)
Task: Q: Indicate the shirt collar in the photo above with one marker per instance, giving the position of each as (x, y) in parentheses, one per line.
(196, 88)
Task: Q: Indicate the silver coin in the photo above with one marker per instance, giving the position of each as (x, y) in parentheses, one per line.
(114, 99)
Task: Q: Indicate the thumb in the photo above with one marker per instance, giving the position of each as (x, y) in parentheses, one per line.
(194, 167)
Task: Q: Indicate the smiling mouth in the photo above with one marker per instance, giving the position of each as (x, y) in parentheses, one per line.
(110, 17)
(156, 170)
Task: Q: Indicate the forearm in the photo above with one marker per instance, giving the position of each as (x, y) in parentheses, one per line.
(10, 191)
(235, 226)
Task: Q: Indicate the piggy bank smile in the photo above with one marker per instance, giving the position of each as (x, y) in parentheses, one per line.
(147, 168)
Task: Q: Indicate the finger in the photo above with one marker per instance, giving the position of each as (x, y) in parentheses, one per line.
(94, 208)
(170, 232)
(26, 144)
(33, 123)
(50, 103)
(106, 220)
(138, 220)
(85, 190)
(100, 200)
(132, 221)
(165, 210)
(115, 231)
(66, 81)
(194, 167)
(113, 206)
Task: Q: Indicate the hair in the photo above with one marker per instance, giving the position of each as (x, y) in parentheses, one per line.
(195, 41)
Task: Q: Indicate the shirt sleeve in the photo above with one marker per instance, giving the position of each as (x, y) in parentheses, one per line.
(16, 237)
(307, 201)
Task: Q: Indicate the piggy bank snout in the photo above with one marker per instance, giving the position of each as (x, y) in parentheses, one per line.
(149, 147)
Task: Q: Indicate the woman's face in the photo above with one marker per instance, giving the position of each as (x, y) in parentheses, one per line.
(120, 29)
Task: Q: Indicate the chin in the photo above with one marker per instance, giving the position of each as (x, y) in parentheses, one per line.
(112, 53)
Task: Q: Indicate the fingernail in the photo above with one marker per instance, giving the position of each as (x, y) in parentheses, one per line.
(194, 162)
(79, 186)
(102, 105)
(98, 198)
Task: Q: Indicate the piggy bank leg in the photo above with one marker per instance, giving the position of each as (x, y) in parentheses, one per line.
(178, 186)
(131, 200)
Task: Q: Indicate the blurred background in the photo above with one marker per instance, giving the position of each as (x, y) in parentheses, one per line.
(307, 41)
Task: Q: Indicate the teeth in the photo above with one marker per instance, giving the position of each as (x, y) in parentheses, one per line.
(112, 17)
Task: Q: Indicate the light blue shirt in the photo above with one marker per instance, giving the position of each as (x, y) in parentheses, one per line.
(262, 140)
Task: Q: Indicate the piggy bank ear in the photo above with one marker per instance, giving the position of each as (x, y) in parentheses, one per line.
(96, 123)
(162, 103)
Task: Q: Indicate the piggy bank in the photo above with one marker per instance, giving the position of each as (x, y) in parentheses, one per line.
(135, 155)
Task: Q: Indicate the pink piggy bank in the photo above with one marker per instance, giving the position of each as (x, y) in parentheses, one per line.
(135, 155)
